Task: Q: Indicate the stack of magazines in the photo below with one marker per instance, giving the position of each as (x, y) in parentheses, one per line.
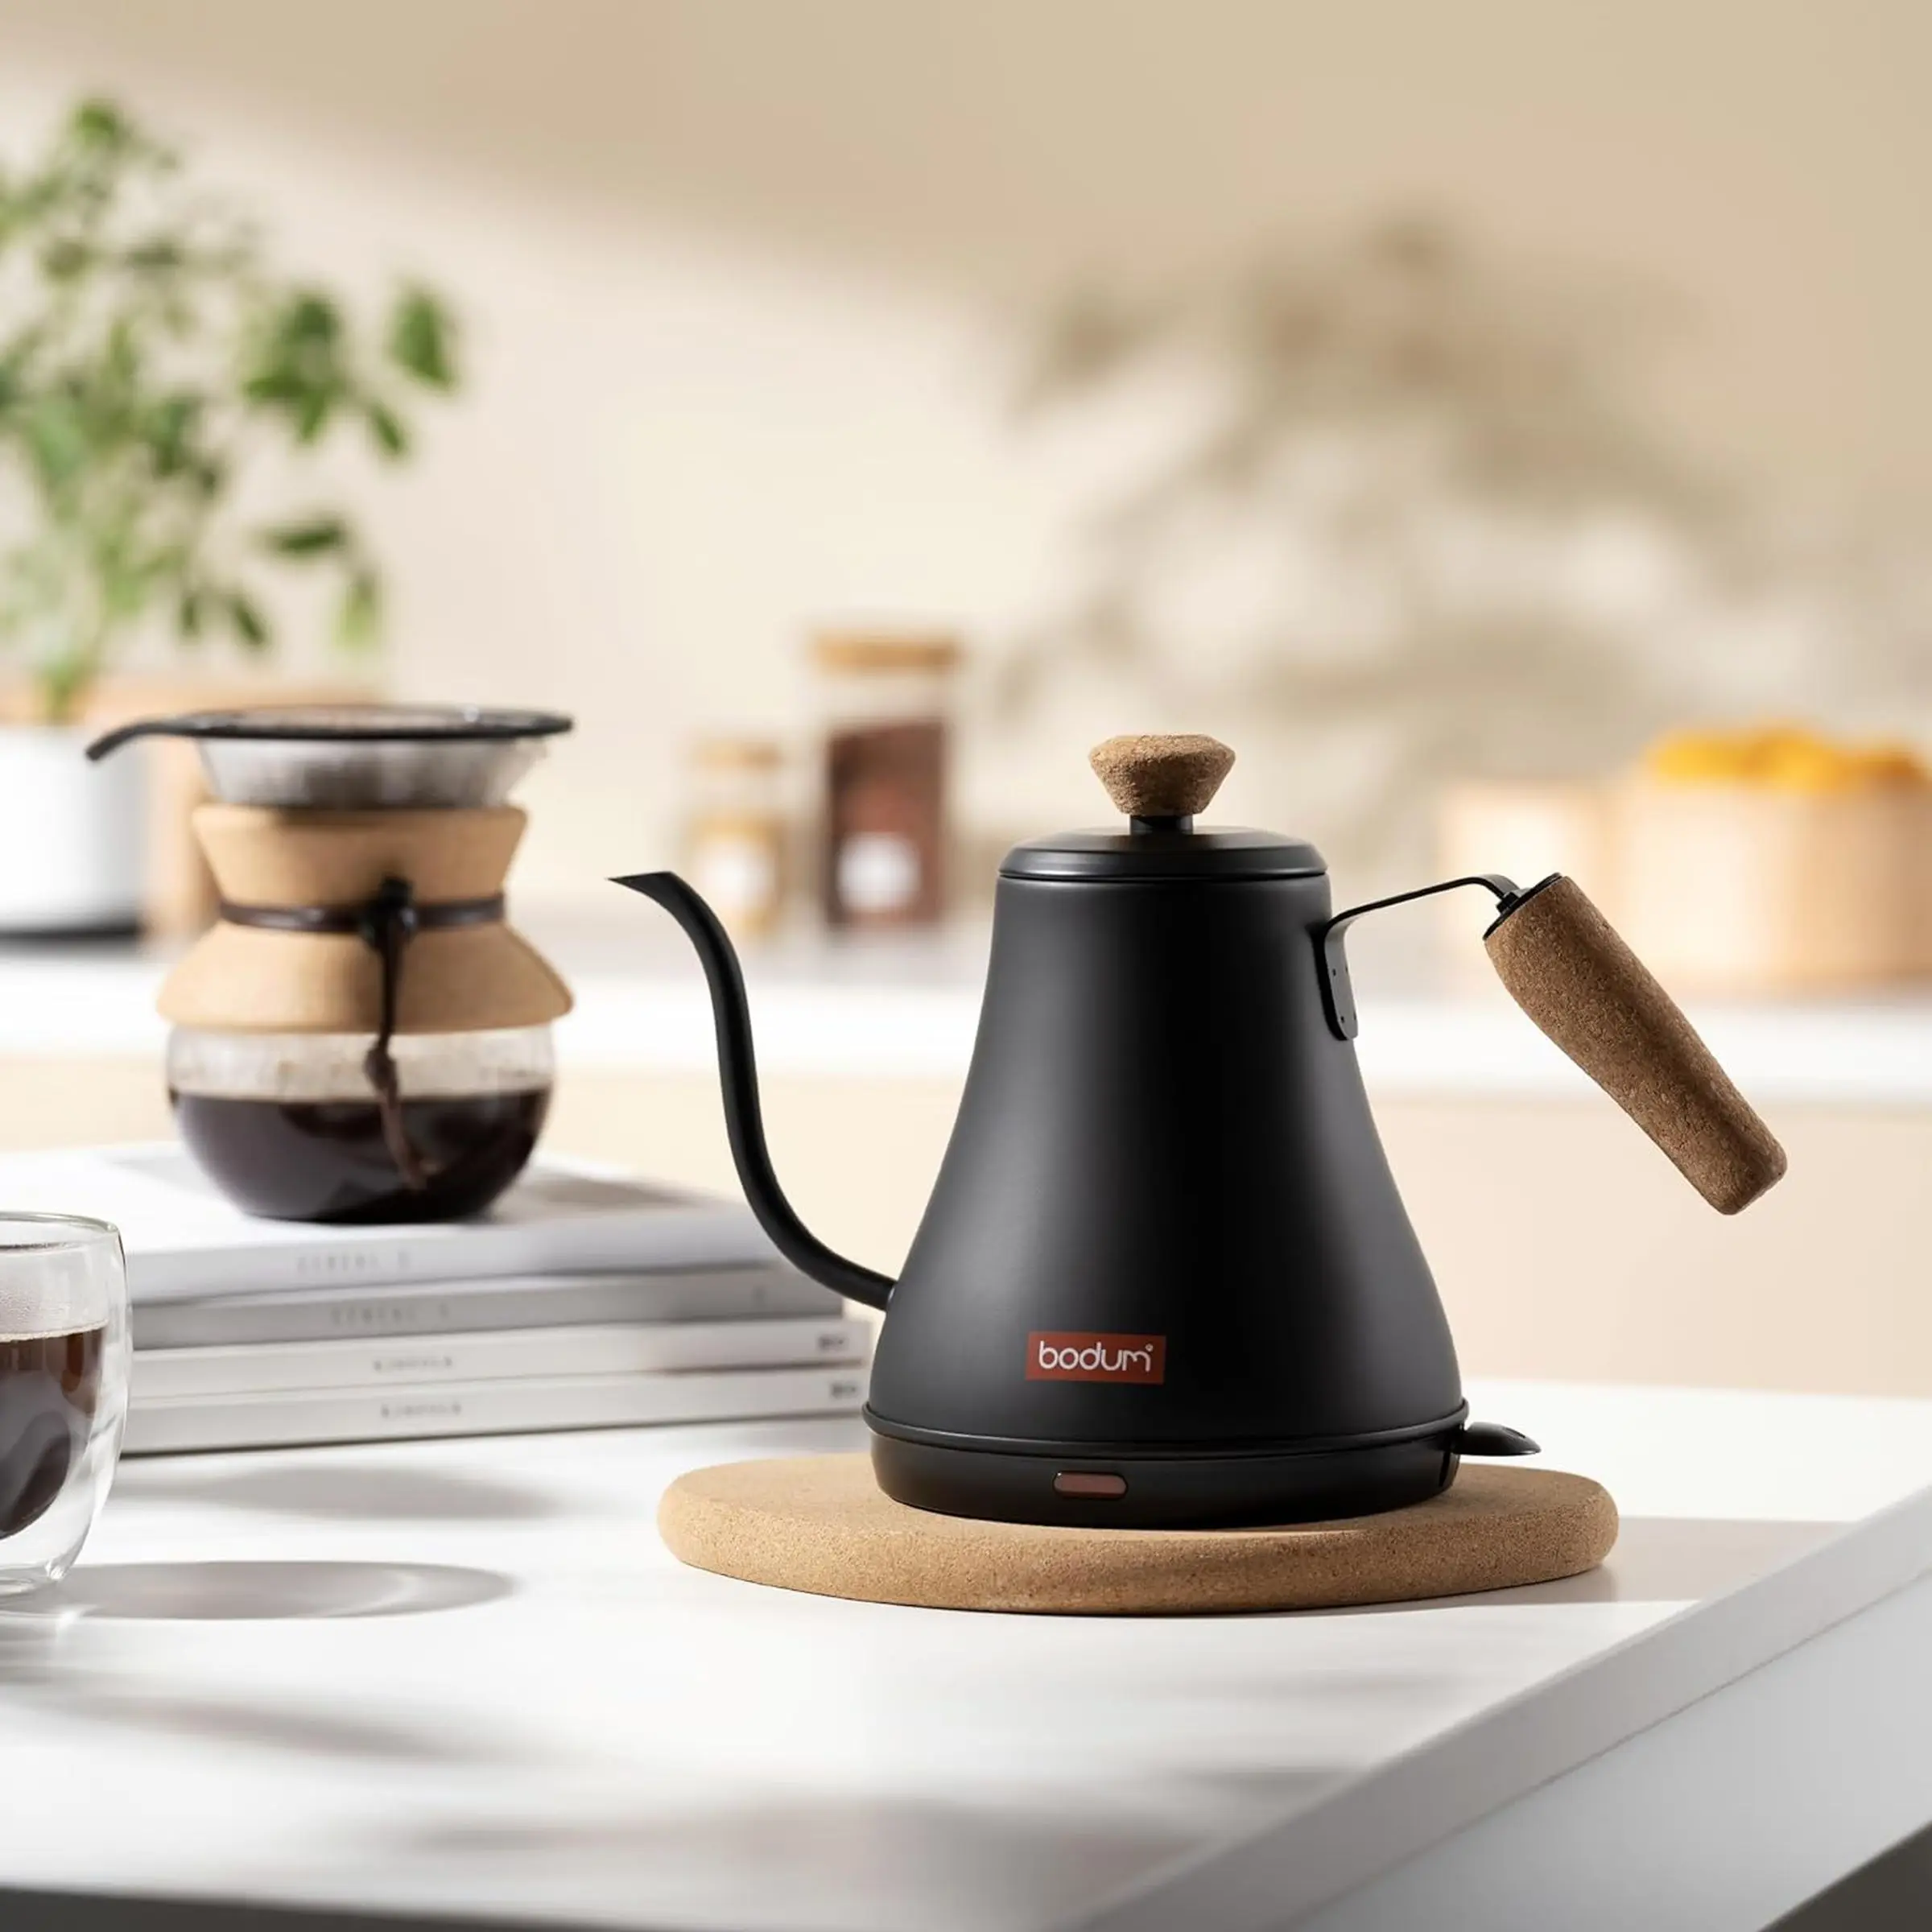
(584, 1299)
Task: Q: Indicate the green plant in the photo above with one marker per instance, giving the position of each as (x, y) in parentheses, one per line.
(152, 368)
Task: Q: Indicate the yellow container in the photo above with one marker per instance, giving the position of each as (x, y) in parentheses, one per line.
(1776, 861)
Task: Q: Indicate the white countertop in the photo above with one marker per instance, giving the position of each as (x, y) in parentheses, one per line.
(467, 1676)
(909, 1008)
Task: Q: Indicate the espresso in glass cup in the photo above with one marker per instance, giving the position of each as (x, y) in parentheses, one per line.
(64, 1352)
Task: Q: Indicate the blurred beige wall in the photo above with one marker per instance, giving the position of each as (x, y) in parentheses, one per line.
(738, 274)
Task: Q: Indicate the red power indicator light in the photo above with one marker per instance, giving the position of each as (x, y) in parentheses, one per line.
(1081, 1482)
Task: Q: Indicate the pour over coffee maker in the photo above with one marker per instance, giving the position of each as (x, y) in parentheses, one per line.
(361, 1037)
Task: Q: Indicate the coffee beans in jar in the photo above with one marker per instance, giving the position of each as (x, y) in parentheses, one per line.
(886, 698)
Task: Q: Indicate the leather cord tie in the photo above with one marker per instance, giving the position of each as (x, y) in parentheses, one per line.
(386, 924)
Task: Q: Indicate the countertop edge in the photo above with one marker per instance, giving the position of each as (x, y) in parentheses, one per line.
(1393, 1813)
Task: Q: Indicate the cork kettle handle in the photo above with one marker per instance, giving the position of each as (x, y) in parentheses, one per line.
(1566, 967)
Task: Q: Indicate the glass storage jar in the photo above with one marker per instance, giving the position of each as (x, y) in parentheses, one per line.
(735, 840)
(885, 700)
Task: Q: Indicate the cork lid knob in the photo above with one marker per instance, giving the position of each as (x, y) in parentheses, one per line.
(1165, 776)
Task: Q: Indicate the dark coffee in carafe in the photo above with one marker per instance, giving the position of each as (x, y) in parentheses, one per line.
(49, 1385)
(332, 1161)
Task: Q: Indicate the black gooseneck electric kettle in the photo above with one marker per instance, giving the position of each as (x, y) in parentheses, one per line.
(1166, 1278)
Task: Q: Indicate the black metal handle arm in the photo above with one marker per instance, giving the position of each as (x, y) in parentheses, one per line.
(1338, 998)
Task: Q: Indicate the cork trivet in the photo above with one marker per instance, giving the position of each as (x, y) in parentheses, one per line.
(821, 1523)
(1161, 775)
(1568, 969)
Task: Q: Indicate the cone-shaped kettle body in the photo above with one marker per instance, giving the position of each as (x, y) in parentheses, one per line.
(1161, 1142)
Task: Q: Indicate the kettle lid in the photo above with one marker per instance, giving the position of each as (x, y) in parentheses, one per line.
(1160, 782)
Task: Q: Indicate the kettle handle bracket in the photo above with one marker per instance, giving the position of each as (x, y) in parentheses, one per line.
(1338, 998)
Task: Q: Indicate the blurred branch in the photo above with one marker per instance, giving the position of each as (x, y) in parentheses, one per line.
(1483, 541)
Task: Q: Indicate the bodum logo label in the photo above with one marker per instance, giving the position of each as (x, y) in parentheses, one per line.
(1082, 1356)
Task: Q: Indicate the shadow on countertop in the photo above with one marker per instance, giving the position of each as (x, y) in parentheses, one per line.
(213, 1592)
(66, 1912)
(334, 1490)
(1656, 1560)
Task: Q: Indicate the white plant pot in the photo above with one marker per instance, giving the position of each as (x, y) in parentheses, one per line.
(70, 835)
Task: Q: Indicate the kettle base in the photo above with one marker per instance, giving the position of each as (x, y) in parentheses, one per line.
(1196, 1491)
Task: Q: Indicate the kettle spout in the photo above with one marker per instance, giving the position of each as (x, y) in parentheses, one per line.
(743, 1119)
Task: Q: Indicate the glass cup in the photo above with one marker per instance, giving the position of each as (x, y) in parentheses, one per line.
(64, 1352)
